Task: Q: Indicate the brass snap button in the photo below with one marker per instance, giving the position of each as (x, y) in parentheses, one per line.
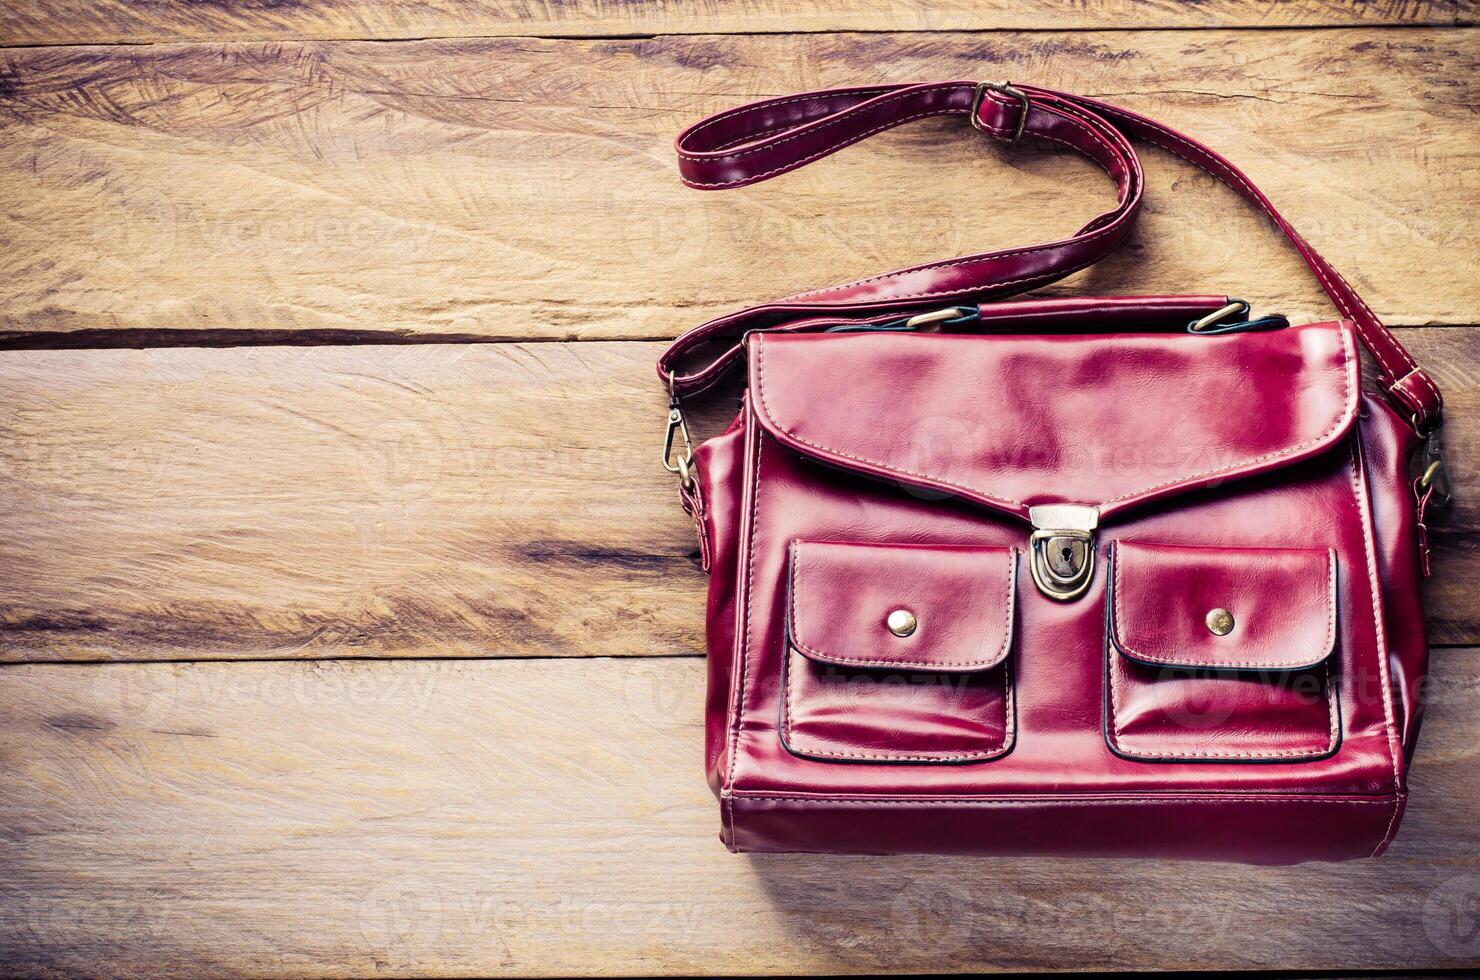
(1220, 621)
(901, 622)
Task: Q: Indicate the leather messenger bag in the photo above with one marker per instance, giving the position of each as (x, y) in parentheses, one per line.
(1131, 575)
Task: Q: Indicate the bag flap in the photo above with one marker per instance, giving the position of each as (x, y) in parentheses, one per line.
(952, 607)
(1223, 608)
(1016, 421)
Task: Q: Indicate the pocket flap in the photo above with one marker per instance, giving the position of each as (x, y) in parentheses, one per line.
(952, 607)
(1223, 608)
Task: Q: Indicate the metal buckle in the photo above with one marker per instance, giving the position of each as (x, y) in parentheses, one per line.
(683, 465)
(1061, 550)
(1005, 89)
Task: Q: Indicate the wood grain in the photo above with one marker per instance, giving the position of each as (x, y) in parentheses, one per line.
(119, 21)
(469, 500)
(525, 189)
(457, 500)
(550, 818)
(421, 503)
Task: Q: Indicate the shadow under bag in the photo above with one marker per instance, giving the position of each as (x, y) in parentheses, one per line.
(1131, 575)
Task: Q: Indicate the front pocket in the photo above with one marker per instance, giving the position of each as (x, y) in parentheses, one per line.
(898, 653)
(1221, 653)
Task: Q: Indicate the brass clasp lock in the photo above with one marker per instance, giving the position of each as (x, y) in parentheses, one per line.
(1061, 550)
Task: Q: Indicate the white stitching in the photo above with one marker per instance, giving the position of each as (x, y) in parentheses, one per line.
(760, 364)
(1009, 734)
(771, 104)
(755, 506)
(1418, 374)
(1030, 801)
(1045, 277)
(1402, 379)
(1378, 624)
(1392, 827)
(1199, 157)
(1008, 731)
(747, 137)
(1327, 646)
(796, 631)
(1203, 160)
(1125, 183)
(1348, 394)
(1122, 206)
(1401, 351)
(1114, 734)
(830, 148)
(815, 126)
(1121, 150)
(1349, 390)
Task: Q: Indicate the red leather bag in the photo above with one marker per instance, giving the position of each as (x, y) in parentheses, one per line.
(1132, 575)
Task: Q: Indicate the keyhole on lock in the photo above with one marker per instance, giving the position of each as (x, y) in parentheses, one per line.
(1066, 557)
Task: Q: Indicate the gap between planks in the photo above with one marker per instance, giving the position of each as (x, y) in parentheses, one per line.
(712, 32)
(61, 23)
(103, 338)
(354, 659)
(1449, 649)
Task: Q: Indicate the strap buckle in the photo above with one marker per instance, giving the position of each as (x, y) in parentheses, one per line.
(1006, 89)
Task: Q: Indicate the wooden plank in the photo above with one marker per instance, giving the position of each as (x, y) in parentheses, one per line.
(549, 818)
(120, 22)
(401, 501)
(357, 501)
(526, 188)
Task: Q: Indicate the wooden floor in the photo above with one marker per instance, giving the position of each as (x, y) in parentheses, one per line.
(347, 623)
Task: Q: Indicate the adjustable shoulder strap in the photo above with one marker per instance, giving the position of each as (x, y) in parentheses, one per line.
(764, 139)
